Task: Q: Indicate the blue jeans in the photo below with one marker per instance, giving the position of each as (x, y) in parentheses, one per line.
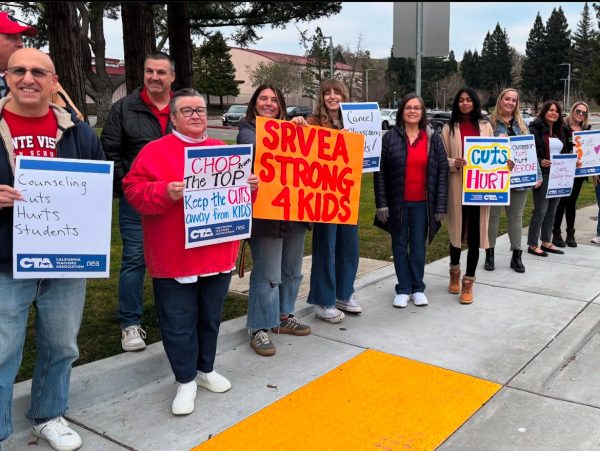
(59, 306)
(275, 278)
(334, 263)
(598, 200)
(189, 316)
(133, 266)
(408, 247)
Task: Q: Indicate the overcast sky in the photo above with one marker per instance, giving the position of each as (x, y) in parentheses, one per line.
(469, 22)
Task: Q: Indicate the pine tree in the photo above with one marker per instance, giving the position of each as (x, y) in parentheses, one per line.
(214, 73)
(532, 80)
(495, 61)
(451, 64)
(487, 61)
(557, 52)
(317, 65)
(582, 72)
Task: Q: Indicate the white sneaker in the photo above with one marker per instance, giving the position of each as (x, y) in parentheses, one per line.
(419, 299)
(351, 305)
(58, 434)
(184, 399)
(213, 381)
(400, 300)
(596, 240)
(329, 314)
(132, 338)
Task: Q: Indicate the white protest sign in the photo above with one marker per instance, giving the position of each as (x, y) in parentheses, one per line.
(562, 175)
(217, 204)
(61, 228)
(365, 118)
(523, 154)
(586, 145)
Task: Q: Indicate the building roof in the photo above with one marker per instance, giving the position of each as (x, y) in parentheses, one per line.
(284, 57)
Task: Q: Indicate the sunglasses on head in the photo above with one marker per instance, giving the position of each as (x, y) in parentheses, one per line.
(581, 112)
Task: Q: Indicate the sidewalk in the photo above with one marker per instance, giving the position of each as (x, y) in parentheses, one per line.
(517, 370)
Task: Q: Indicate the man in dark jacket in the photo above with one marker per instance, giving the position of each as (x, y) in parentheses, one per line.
(31, 126)
(133, 122)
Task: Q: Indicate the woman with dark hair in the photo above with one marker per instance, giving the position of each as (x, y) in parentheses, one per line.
(411, 195)
(576, 121)
(335, 246)
(277, 248)
(549, 132)
(465, 222)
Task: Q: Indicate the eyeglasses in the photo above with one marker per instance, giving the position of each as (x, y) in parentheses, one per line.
(412, 108)
(36, 72)
(581, 112)
(189, 112)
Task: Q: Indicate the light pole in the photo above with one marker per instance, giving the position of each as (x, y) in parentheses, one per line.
(436, 95)
(568, 84)
(444, 94)
(330, 55)
(564, 93)
(367, 83)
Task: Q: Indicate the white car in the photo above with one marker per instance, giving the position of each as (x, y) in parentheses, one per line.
(388, 118)
(527, 118)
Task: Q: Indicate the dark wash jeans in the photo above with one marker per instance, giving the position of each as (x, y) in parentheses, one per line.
(189, 316)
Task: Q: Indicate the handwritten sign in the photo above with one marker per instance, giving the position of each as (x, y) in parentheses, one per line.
(586, 145)
(365, 118)
(562, 175)
(486, 177)
(61, 228)
(522, 151)
(307, 173)
(217, 204)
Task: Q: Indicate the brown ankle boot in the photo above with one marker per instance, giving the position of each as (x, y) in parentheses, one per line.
(466, 293)
(454, 285)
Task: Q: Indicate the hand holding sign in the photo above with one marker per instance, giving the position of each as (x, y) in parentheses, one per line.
(8, 195)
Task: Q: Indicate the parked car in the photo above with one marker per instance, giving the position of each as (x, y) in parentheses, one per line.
(527, 118)
(298, 110)
(388, 118)
(233, 115)
(438, 120)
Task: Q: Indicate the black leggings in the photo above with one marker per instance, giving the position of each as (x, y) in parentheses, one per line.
(470, 221)
(566, 206)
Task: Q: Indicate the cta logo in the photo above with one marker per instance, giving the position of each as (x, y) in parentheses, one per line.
(490, 197)
(35, 262)
(200, 233)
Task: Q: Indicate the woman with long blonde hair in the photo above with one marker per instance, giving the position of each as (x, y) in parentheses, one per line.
(576, 121)
(506, 120)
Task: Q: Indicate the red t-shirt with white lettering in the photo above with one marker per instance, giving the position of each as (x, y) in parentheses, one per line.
(33, 136)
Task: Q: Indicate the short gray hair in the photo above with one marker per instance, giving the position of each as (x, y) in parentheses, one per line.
(185, 92)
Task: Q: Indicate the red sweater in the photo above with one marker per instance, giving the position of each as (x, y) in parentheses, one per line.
(416, 169)
(467, 129)
(145, 186)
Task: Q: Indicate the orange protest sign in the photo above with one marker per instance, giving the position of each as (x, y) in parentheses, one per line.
(308, 174)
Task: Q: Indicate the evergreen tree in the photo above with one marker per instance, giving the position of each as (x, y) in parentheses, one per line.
(317, 65)
(214, 72)
(532, 76)
(582, 72)
(451, 64)
(557, 52)
(495, 61)
(470, 69)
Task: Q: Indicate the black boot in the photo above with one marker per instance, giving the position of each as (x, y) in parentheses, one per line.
(515, 261)
(557, 239)
(489, 259)
(571, 238)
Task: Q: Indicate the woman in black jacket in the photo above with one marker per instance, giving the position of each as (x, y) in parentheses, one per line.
(411, 195)
(576, 121)
(549, 133)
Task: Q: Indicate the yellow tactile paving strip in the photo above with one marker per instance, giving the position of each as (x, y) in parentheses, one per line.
(373, 401)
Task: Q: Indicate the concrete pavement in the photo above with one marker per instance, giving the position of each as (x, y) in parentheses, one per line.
(536, 335)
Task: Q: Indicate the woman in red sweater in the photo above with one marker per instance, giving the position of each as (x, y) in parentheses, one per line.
(190, 285)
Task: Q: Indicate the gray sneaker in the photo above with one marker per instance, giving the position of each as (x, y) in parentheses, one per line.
(262, 344)
(291, 326)
(132, 338)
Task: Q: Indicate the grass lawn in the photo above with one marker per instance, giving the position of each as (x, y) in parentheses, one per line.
(100, 334)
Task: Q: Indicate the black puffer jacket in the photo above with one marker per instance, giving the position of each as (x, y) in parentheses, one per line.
(130, 126)
(389, 181)
(263, 227)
